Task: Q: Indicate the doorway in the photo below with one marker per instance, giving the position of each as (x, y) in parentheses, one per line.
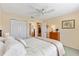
(39, 29)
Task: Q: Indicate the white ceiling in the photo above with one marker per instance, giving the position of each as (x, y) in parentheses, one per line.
(28, 9)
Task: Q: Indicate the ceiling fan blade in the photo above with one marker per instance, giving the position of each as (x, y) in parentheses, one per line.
(35, 15)
(38, 10)
(49, 11)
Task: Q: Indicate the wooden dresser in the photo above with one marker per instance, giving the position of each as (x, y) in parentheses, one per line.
(54, 35)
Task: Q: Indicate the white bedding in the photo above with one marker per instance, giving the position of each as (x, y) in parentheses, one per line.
(57, 43)
(13, 47)
(41, 48)
(1, 46)
(16, 50)
(32, 47)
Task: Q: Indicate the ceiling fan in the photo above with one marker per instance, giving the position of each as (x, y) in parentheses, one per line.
(44, 11)
(41, 12)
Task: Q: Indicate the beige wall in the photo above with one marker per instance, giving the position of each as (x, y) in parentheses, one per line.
(0, 18)
(5, 20)
(69, 37)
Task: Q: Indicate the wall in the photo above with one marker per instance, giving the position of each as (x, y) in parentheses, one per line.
(0, 19)
(5, 20)
(69, 37)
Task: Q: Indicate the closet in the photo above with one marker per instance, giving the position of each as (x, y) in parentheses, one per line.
(18, 28)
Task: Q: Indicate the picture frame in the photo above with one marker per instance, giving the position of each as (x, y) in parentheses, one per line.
(68, 24)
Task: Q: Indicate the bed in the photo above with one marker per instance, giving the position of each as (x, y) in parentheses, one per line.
(32, 47)
(44, 47)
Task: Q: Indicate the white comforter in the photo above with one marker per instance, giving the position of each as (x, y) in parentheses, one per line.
(41, 48)
(13, 47)
(32, 47)
(58, 44)
(16, 50)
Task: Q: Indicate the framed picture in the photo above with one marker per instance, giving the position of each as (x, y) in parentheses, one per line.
(68, 24)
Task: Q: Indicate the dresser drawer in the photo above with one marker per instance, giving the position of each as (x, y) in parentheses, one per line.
(54, 35)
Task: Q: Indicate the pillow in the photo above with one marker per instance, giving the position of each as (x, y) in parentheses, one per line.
(2, 39)
(1, 48)
(11, 43)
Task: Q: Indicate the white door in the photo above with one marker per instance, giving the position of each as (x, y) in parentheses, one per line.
(18, 28)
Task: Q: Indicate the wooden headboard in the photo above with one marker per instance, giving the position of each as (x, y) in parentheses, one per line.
(0, 33)
(54, 35)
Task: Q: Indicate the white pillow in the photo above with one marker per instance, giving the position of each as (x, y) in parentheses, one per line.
(1, 48)
(13, 46)
(2, 39)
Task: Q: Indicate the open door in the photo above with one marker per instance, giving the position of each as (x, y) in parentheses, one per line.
(39, 29)
(31, 30)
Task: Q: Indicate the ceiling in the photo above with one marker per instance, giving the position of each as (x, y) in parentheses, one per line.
(29, 9)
